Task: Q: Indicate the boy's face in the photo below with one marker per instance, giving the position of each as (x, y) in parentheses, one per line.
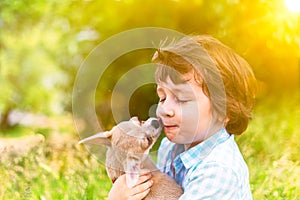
(184, 110)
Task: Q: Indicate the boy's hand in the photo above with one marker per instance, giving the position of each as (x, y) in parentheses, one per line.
(120, 190)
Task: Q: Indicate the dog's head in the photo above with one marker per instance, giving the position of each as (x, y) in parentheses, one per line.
(130, 143)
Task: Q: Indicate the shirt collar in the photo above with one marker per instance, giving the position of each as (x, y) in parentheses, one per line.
(203, 149)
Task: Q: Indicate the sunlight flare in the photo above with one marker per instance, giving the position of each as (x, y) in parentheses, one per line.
(293, 5)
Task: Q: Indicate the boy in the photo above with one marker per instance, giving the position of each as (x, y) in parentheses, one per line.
(206, 94)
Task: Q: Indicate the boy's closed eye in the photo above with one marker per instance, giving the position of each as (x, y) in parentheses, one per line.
(162, 99)
(181, 97)
(178, 100)
(184, 101)
(181, 100)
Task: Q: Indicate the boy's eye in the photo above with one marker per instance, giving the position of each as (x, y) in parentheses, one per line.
(162, 99)
(181, 100)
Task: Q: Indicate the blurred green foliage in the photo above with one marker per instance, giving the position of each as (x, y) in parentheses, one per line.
(43, 44)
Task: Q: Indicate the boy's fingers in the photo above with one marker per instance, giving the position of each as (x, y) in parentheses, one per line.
(141, 195)
(141, 188)
(143, 178)
(144, 171)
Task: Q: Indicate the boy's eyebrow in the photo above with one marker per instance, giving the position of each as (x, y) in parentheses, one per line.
(182, 90)
(176, 90)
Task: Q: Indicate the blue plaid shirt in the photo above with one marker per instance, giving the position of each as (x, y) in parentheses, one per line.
(213, 169)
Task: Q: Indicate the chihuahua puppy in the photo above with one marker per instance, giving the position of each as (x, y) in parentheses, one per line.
(129, 144)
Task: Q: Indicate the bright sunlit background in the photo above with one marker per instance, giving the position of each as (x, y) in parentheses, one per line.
(43, 43)
(293, 5)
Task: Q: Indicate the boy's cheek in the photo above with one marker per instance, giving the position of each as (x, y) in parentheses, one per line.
(158, 111)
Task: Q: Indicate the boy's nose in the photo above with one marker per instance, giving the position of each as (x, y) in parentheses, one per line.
(165, 111)
(169, 113)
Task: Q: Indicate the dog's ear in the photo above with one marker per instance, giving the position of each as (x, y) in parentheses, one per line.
(135, 121)
(102, 138)
(132, 171)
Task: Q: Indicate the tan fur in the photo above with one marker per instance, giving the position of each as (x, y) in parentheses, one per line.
(128, 148)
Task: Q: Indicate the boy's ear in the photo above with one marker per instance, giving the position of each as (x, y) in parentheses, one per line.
(132, 172)
(102, 138)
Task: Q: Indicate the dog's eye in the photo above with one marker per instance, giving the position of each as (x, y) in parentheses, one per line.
(149, 139)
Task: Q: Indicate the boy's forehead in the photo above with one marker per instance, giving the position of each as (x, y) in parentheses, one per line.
(185, 87)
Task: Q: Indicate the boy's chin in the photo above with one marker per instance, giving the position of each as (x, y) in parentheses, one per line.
(171, 136)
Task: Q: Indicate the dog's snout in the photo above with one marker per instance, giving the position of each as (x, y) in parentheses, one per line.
(155, 123)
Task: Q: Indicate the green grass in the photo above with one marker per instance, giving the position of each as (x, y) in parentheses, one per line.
(271, 148)
(61, 169)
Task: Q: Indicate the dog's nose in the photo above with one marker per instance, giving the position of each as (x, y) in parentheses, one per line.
(155, 123)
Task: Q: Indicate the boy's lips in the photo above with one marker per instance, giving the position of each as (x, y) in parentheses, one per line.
(168, 128)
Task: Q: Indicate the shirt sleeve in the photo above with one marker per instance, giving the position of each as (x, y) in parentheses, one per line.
(212, 181)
